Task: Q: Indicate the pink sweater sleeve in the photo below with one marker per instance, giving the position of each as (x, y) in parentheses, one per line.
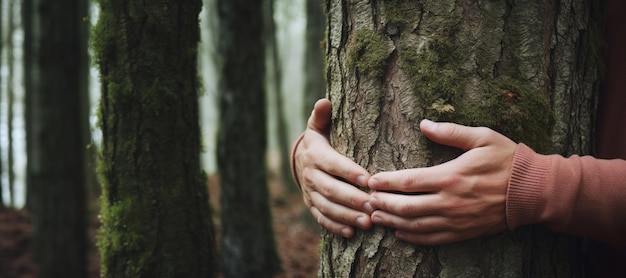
(294, 173)
(578, 195)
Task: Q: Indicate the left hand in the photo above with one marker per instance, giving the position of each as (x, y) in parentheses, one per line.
(461, 199)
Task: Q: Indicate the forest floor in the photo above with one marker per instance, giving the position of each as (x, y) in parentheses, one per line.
(297, 237)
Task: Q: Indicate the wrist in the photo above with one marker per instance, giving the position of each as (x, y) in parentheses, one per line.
(294, 172)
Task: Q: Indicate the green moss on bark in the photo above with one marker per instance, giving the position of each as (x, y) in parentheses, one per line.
(155, 214)
(368, 53)
(511, 106)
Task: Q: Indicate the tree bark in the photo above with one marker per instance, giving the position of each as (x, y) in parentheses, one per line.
(529, 69)
(156, 219)
(248, 244)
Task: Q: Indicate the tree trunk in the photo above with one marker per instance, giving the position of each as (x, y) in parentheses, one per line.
(276, 78)
(529, 70)
(91, 179)
(156, 219)
(29, 78)
(314, 83)
(56, 168)
(1, 63)
(10, 100)
(248, 245)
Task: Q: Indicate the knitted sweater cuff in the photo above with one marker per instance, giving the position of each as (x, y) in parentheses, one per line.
(529, 174)
(294, 173)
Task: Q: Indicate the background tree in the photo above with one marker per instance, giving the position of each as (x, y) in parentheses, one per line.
(248, 244)
(11, 26)
(393, 63)
(56, 151)
(275, 79)
(1, 63)
(27, 69)
(156, 220)
(314, 82)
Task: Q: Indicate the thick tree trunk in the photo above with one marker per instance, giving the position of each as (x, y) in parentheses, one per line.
(55, 166)
(528, 69)
(248, 245)
(156, 220)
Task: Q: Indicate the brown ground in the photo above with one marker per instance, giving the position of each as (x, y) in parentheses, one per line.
(297, 239)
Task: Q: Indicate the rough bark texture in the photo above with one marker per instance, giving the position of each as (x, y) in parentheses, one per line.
(528, 69)
(248, 245)
(56, 153)
(156, 220)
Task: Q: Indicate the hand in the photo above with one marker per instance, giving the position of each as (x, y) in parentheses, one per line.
(461, 199)
(326, 178)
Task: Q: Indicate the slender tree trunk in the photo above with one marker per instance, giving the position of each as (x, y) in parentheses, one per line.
(248, 244)
(29, 84)
(156, 219)
(315, 84)
(276, 73)
(393, 63)
(10, 100)
(56, 170)
(91, 180)
(1, 63)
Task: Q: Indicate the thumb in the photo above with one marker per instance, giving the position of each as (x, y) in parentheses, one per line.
(455, 135)
(320, 117)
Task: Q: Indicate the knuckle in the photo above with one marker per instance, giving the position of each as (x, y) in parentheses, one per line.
(451, 182)
(415, 226)
(307, 176)
(406, 183)
(405, 209)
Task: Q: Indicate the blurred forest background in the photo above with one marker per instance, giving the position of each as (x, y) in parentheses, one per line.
(293, 32)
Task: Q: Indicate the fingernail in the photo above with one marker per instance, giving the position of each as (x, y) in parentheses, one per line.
(373, 183)
(361, 222)
(345, 232)
(373, 202)
(377, 220)
(429, 124)
(362, 180)
(368, 207)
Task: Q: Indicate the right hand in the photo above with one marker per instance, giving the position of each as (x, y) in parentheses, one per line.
(327, 178)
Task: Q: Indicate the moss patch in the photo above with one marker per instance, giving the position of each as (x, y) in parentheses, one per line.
(368, 53)
(509, 105)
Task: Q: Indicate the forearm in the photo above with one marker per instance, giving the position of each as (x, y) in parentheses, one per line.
(577, 195)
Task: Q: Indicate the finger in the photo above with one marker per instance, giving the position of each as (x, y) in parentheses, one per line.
(330, 225)
(341, 214)
(426, 224)
(340, 192)
(429, 179)
(320, 117)
(458, 136)
(327, 159)
(407, 206)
